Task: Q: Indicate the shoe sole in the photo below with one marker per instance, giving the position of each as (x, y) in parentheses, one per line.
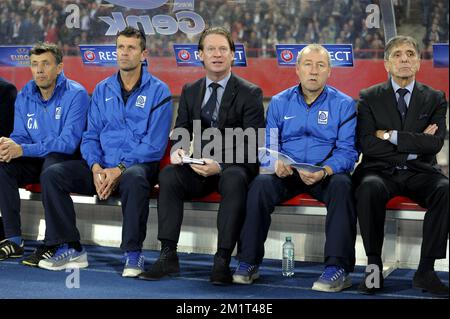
(243, 280)
(427, 291)
(27, 263)
(131, 273)
(172, 274)
(317, 286)
(12, 256)
(221, 283)
(74, 264)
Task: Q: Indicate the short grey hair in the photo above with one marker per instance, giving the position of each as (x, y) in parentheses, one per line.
(314, 47)
(397, 40)
(44, 47)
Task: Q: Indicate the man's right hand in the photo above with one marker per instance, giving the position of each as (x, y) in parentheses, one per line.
(176, 157)
(282, 170)
(431, 129)
(98, 176)
(9, 150)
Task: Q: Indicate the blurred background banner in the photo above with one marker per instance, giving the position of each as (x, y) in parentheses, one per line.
(14, 55)
(440, 55)
(341, 54)
(187, 55)
(100, 55)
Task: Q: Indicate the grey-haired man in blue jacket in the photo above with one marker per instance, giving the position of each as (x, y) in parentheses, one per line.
(312, 123)
(49, 118)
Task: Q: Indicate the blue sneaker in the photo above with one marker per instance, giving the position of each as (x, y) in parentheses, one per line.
(64, 258)
(134, 264)
(245, 273)
(333, 279)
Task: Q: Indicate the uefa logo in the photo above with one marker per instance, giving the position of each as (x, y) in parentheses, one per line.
(287, 56)
(22, 50)
(184, 55)
(139, 4)
(89, 55)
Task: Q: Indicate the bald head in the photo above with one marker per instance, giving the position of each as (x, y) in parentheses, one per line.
(314, 48)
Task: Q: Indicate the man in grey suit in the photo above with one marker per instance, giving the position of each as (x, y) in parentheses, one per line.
(401, 127)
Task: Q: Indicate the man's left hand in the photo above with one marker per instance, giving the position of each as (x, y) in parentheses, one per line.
(210, 168)
(380, 133)
(311, 178)
(112, 177)
(9, 150)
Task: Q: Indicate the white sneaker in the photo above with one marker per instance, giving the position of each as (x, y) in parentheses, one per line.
(333, 279)
(64, 258)
(134, 264)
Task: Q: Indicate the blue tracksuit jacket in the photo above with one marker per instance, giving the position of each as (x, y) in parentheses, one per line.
(137, 132)
(52, 126)
(323, 134)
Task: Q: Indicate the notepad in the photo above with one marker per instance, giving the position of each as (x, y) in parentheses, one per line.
(268, 157)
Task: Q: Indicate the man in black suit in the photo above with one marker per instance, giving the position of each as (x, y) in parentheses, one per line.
(401, 127)
(8, 94)
(217, 103)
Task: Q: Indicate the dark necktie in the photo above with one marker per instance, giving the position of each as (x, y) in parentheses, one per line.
(401, 104)
(208, 109)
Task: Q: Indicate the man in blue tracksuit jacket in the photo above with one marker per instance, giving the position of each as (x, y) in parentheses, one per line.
(312, 123)
(127, 133)
(49, 118)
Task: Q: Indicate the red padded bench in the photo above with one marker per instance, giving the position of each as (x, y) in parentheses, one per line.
(398, 207)
(396, 203)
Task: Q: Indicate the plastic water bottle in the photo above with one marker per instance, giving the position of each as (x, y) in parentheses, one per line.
(288, 258)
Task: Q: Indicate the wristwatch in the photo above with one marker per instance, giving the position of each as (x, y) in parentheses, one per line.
(386, 135)
(122, 167)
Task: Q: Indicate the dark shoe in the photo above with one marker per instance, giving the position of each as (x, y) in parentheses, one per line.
(9, 249)
(363, 289)
(167, 264)
(221, 273)
(40, 253)
(429, 281)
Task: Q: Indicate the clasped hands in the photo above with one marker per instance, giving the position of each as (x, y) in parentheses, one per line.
(105, 180)
(9, 149)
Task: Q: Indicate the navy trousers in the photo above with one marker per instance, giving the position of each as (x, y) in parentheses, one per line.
(76, 177)
(15, 174)
(266, 191)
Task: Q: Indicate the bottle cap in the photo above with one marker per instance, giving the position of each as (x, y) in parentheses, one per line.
(288, 238)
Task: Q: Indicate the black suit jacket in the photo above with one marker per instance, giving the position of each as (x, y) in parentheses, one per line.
(377, 110)
(8, 94)
(241, 107)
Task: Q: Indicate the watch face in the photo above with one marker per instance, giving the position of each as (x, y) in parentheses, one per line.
(386, 136)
